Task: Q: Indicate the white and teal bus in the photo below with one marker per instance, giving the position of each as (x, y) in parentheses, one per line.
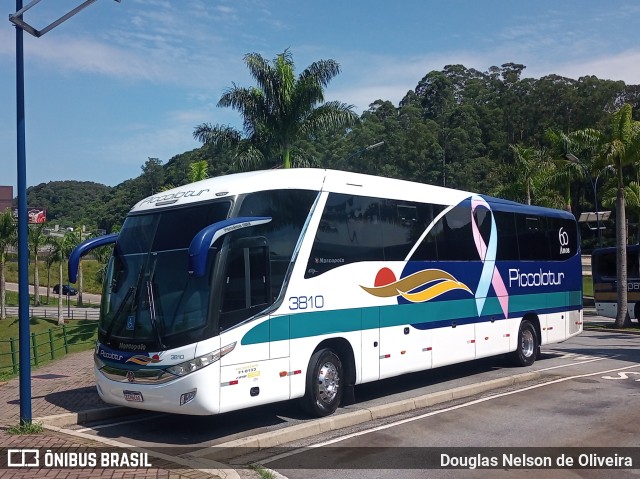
(273, 285)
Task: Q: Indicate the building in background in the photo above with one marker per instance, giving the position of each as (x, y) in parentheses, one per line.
(6, 197)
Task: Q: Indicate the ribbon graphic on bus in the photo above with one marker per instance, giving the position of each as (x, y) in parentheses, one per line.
(490, 274)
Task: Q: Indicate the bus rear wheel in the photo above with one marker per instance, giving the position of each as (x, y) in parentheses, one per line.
(527, 348)
(325, 383)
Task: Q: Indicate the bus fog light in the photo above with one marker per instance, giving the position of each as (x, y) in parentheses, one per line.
(187, 397)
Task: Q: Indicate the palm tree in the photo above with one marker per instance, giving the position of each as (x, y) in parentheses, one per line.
(71, 240)
(36, 240)
(49, 264)
(578, 153)
(528, 162)
(8, 237)
(631, 200)
(101, 255)
(198, 170)
(283, 108)
(56, 255)
(621, 147)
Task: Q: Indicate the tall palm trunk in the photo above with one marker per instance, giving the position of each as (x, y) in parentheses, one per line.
(3, 294)
(36, 280)
(622, 316)
(286, 154)
(567, 197)
(48, 279)
(60, 316)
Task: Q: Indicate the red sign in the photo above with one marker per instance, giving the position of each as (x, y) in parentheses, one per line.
(36, 216)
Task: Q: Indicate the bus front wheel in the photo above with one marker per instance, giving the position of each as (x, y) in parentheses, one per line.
(324, 386)
(527, 348)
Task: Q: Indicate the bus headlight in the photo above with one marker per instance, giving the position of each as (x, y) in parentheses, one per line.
(200, 362)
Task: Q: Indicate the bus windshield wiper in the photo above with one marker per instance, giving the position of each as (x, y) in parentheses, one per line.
(151, 302)
(152, 315)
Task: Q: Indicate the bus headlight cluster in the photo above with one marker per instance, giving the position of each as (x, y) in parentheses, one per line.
(200, 362)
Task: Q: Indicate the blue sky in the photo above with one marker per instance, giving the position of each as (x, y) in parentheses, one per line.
(121, 82)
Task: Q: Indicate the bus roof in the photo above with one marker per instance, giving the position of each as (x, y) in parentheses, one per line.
(300, 178)
(321, 180)
(613, 249)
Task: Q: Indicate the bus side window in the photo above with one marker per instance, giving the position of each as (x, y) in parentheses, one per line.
(604, 266)
(247, 285)
(350, 230)
(533, 239)
(507, 236)
(455, 241)
(633, 265)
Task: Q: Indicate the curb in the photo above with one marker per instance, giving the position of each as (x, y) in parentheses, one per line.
(75, 418)
(238, 447)
(597, 327)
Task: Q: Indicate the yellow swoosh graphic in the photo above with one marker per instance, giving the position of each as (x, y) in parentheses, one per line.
(445, 282)
(142, 360)
(433, 291)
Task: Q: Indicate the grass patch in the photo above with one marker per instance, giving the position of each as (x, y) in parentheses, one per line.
(262, 472)
(26, 427)
(89, 269)
(634, 328)
(587, 286)
(77, 335)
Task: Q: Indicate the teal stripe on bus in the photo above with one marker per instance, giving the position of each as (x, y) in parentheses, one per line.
(316, 323)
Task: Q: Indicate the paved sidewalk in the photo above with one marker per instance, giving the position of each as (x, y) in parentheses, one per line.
(66, 387)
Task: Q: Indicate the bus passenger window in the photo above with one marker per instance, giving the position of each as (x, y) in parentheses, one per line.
(246, 286)
(350, 231)
(533, 240)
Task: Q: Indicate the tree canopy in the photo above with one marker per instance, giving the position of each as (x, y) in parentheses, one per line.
(456, 127)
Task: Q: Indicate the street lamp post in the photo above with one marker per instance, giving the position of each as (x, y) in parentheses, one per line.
(594, 185)
(23, 251)
(23, 248)
(359, 152)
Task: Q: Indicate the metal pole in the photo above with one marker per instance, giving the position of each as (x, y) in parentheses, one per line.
(595, 198)
(23, 251)
(23, 248)
(359, 152)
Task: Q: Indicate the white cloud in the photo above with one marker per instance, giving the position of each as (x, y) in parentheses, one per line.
(622, 66)
(91, 56)
(366, 78)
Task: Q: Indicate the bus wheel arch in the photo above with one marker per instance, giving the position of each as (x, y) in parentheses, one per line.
(330, 377)
(528, 342)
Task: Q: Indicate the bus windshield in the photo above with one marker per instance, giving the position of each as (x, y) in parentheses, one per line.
(150, 302)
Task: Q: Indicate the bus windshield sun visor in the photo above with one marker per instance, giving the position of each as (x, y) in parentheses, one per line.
(204, 239)
(83, 248)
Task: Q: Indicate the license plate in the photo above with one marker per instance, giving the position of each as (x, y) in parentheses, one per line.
(133, 396)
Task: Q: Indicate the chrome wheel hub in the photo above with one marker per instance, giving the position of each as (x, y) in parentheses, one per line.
(328, 382)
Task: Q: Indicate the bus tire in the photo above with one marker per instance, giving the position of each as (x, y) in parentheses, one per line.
(528, 347)
(325, 383)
